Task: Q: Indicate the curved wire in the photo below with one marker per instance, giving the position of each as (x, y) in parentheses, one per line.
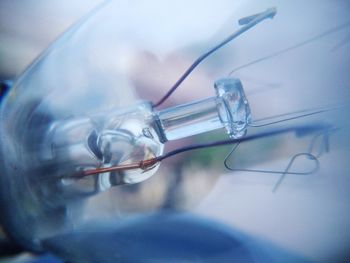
(323, 147)
(313, 157)
(291, 162)
(228, 156)
(269, 13)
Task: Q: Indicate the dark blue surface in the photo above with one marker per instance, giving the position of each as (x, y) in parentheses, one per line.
(4, 88)
(165, 238)
(46, 259)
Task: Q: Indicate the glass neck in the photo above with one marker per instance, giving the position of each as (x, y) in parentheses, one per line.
(229, 109)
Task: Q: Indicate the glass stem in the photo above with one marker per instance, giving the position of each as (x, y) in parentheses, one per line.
(188, 119)
(229, 109)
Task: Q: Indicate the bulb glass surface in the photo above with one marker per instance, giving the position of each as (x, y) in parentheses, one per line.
(78, 107)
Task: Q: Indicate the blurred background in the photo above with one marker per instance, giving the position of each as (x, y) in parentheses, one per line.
(309, 215)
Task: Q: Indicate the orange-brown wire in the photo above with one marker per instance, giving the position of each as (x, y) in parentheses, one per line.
(144, 165)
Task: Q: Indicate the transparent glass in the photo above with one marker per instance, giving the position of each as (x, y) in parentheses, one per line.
(86, 99)
(76, 109)
(229, 109)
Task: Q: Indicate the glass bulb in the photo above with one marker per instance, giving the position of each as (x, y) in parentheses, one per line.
(76, 109)
(85, 105)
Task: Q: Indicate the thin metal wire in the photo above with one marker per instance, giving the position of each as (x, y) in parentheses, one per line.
(269, 13)
(324, 146)
(312, 157)
(230, 154)
(144, 165)
(291, 162)
(256, 124)
(297, 115)
(288, 49)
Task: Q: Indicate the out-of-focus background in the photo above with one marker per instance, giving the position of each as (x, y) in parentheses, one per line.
(309, 215)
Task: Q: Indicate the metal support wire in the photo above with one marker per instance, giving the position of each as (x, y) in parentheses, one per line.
(314, 157)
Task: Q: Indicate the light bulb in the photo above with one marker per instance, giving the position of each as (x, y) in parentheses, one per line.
(79, 121)
(74, 111)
